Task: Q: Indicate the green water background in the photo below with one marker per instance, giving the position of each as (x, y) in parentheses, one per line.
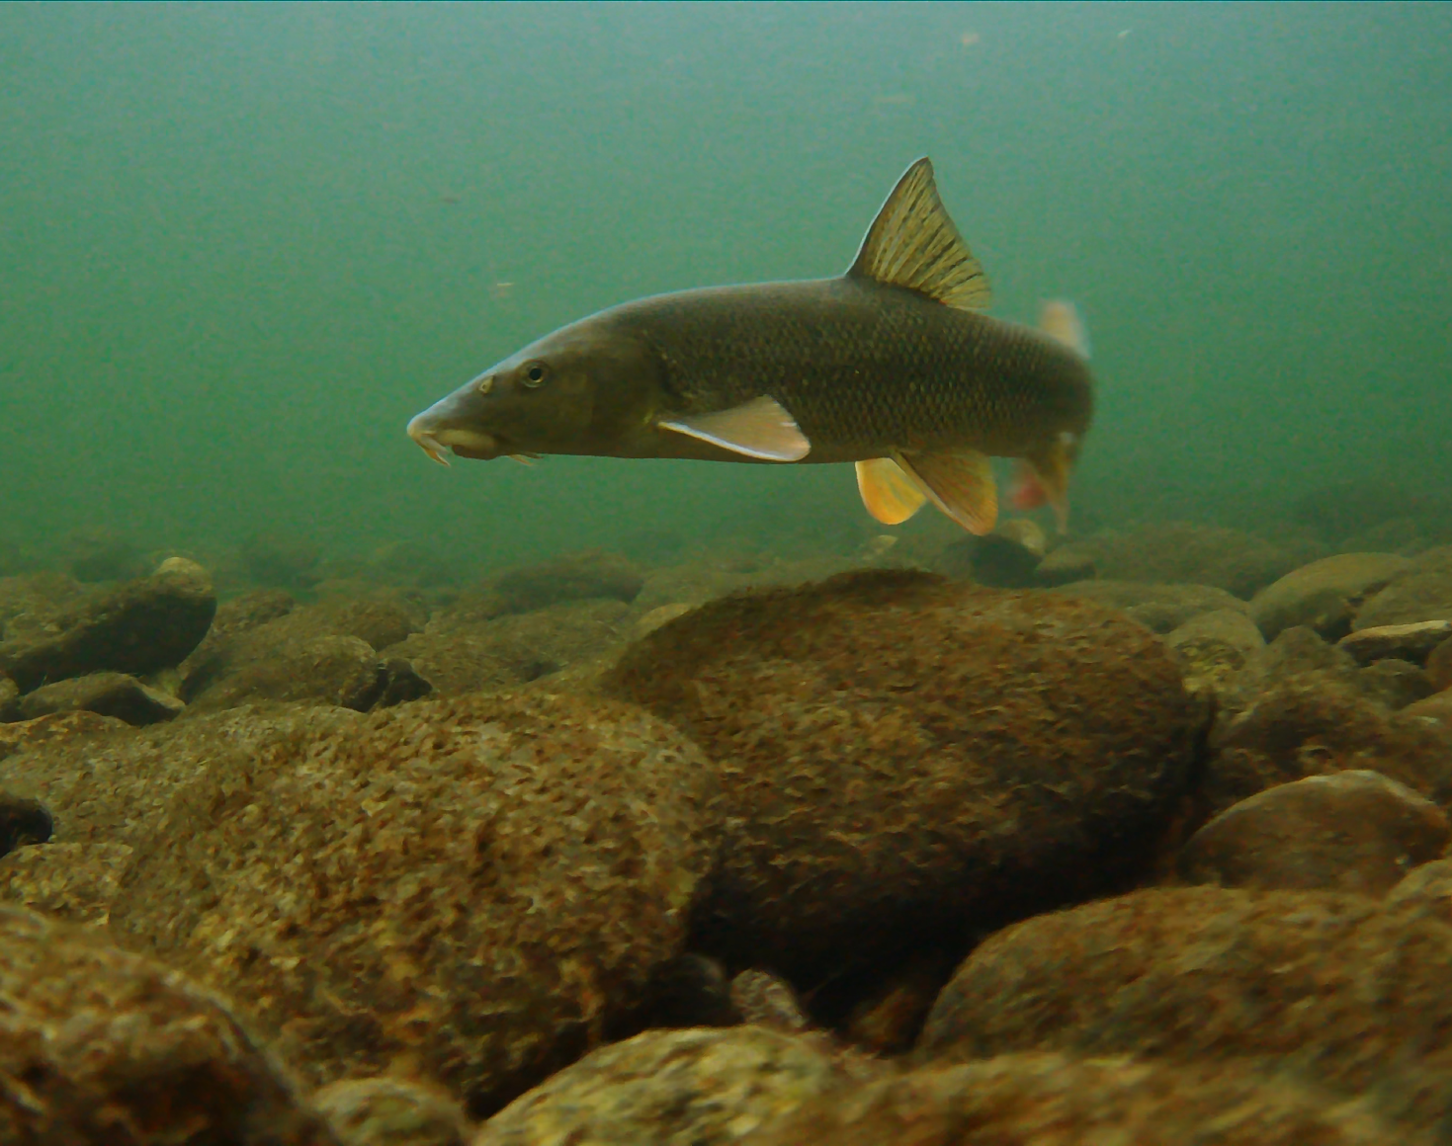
(241, 244)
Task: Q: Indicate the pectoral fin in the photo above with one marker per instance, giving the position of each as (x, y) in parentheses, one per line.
(760, 428)
(887, 492)
(959, 482)
(1060, 320)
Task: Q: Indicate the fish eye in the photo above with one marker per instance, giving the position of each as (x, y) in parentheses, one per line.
(485, 384)
(534, 374)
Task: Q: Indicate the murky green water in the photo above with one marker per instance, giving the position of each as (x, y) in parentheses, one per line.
(241, 245)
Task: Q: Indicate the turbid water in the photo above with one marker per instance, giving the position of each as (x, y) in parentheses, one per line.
(241, 245)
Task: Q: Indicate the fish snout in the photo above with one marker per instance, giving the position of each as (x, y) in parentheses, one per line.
(444, 425)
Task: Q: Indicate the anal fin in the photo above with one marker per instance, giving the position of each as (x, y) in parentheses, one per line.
(1051, 465)
(888, 493)
(959, 482)
(760, 428)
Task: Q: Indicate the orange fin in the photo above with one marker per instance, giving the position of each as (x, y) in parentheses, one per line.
(1028, 492)
(887, 492)
(760, 428)
(1050, 466)
(959, 482)
(1060, 320)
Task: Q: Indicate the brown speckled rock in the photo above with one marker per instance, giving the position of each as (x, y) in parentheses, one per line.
(387, 1111)
(1048, 1099)
(572, 577)
(902, 756)
(62, 727)
(1214, 647)
(768, 1000)
(78, 882)
(1427, 888)
(1310, 725)
(108, 693)
(143, 626)
(1435, 709)
(1348, 831)
(9, 690)
(115, 784)
(99, 1046)
(473, 887)
(667, 1088)
(1322, 985)
(1325, 594)
(464, 650)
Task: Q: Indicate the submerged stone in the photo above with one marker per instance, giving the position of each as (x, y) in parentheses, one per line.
(903, 758)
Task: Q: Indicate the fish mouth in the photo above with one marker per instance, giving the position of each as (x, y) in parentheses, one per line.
(433, 440)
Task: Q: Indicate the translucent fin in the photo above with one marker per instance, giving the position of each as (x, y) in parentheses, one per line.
(760, 428)
(1060, 320)
(887, 492)
(912, 243)
(1028, 492)
(959, 482)
(1051, 465)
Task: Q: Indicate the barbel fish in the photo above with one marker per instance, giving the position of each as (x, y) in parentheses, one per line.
(891, 366)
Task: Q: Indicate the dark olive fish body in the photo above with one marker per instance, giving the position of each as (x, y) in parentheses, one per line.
(890, 366)
(862, 367)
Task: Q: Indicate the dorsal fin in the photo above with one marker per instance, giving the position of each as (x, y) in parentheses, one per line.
(912, 243)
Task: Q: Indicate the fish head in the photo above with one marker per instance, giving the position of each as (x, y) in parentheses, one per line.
(572, 392)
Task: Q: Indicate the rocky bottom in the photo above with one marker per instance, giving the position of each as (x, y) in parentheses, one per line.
(1134, 838)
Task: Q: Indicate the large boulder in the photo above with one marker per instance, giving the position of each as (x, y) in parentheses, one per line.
(139, 628)
(112, 694)
(1321, 987)
(100, 1047)
(475, 887)
(904, 758)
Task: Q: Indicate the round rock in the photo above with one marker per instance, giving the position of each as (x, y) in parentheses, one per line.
(902, 757)
(1057, 1100)
(1422, 592)
(662, 1088)
(385, 1111)
(1353, 831)
(1323, 986)
(1325, 594)
(100, 1047)
(473, 888)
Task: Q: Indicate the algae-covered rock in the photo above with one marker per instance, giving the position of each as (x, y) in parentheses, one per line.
(1213, 648)
(63, 727)
(1348, 831)
(114, 784)
(1049, 1099)
(1414, 642)
(78, 882)
(107, 693)
(1323, 986)
(138, 628)
(1325, 594)
(101, 1047)
(903, 757)
(1439, 666)
(385, 1111)
(475, 887)
(1309, 724)
(668, 1088)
